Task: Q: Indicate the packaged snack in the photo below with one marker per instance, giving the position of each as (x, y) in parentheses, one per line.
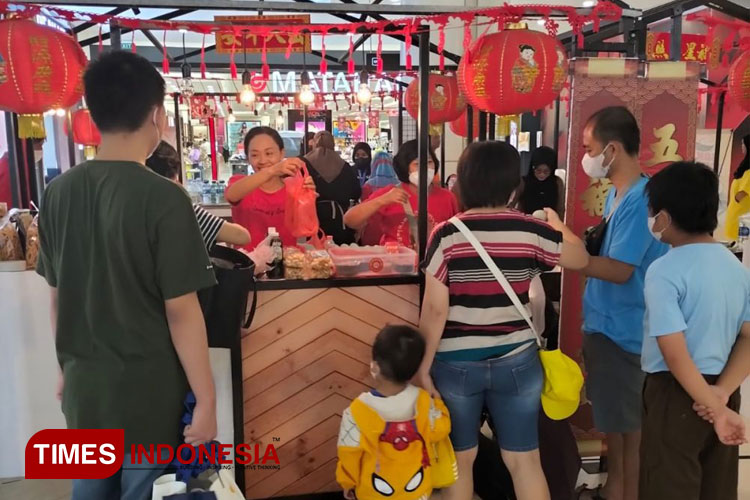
(319, 265)
(32, 244)
(10, 241)
(294, 263)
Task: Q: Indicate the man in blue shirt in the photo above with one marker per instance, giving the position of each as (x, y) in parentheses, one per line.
(613, 304)
(696, 347)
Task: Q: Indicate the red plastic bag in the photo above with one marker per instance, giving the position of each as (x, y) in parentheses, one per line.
(300, 212)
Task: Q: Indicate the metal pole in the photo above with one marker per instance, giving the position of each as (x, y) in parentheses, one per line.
(14, 162)
(307, 123)
(442, 156)
(469, 124)
(491, 127)
(400, 126)
(212, 138)
(719, 122)
(71, 145)
(424, 135)
(178, 133)
(557, 124)
(482, 126)
(675, 46)
(114, 36)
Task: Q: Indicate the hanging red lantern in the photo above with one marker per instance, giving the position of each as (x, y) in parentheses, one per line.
(513, 71)
(459, 126)
(84, 129)
(445, 100)
(40, 68)
(738, 84)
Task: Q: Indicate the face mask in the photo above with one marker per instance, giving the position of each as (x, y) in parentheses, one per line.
(594, 165)
(414, 176)
(362, 163)
(158, 133)
(656, 234)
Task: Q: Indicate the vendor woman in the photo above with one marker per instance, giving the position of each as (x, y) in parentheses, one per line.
(258, 200)
(387, 215)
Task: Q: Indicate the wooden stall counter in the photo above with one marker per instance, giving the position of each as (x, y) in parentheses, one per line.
(304, 358)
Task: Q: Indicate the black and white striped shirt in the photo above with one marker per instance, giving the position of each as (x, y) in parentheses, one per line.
(209, 225)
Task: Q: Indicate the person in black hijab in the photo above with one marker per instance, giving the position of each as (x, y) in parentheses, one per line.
(542, 188)
(362, 157)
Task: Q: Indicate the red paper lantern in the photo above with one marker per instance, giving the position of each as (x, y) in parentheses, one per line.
(84, 129)
(459, 126)
(513, 71)
(446, 101)
(738, 84)
(40, 68)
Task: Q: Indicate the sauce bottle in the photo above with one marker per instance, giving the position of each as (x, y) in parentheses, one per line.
(276, 270)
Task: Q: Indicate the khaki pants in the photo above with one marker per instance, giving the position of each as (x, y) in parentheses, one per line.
(681, 456)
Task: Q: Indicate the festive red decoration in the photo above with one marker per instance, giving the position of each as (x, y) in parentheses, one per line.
(84, 129)
(459, 126)
(513, 71)
(40, 68)
(738, 83)
(446, 102)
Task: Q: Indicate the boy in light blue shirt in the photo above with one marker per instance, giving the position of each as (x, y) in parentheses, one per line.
(696, 348)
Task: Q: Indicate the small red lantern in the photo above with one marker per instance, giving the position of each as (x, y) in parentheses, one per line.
(513, 71)
(84, 129)
(446, 102)
(460, 126)
(738, 83)
(40, 68)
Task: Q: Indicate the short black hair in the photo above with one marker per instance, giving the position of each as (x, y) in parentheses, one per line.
(407, 153)
(616, 123)
(256, 131)
(488, 173)
(689, 192)
(122, 89)
(544, 155)
(398, 350)
(525, 47)
(165, 161)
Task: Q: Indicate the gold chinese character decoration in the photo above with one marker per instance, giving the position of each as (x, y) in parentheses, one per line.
(665, 148)
(594, 197)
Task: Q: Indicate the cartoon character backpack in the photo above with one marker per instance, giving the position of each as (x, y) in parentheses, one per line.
(395, 460)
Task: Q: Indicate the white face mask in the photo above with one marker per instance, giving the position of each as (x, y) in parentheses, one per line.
(414, 176)
(594, 165)
(656, 234)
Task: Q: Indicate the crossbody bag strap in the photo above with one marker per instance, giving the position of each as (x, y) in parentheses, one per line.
(499, 276)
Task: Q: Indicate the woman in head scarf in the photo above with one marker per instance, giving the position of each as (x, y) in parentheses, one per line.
(382, 175)
(362, 156)
(541, 187)
(337, 186)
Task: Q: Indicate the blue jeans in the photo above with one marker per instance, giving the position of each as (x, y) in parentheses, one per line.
(510, 388)
(126, 484)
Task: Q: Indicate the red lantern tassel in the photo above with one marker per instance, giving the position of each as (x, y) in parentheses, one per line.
(380, 54)
(288, 52)
(132, 43)
(467, 36)
(266, 71)
(441, 46)
(350, 63)
(203, 58)
(408, 33)
(323, 61)
(232, 65)
(165, 59)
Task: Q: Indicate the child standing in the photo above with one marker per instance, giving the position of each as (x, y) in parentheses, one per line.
(696, 349)
(386, 443)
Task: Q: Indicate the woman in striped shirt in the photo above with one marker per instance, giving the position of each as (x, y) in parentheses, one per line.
(166, 162)
(480, 351)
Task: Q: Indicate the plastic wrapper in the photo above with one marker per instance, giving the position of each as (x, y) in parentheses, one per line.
(311, 265)
(10, 241)
(32, 244)
(294, 264)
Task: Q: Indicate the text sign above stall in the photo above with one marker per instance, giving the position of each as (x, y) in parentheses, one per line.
(253, 42)
(324, 82)
(693, 47)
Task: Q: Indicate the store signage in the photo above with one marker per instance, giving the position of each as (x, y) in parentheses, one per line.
(253, 42)
(287, 83)
(693, 47)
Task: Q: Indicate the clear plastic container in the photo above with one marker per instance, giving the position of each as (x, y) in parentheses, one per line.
(355, 261)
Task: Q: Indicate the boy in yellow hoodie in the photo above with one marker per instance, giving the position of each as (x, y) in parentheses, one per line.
(387, 442)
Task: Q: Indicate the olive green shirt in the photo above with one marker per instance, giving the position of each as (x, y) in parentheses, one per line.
(117, 240)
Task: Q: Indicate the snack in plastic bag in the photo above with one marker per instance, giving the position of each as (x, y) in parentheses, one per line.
(10, 241)
(319, 265)
(300, 210)
(32, 244)
(294, 264)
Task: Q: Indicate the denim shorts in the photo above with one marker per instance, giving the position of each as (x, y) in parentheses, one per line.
(510, 388)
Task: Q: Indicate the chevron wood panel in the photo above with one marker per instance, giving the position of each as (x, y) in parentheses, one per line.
(305, 358)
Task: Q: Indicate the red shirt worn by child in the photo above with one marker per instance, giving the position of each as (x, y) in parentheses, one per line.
(390, 224)
(260, 210)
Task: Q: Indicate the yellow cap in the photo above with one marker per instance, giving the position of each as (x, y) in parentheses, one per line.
(563, 381)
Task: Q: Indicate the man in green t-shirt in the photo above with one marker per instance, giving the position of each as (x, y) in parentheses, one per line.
(123, 256)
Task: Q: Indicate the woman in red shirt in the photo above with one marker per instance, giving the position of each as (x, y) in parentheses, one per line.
(258, 200)
(383, 217)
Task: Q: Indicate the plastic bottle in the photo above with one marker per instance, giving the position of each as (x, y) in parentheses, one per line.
(206, 193)
(215, 192)
(276, 267)
(222, 190)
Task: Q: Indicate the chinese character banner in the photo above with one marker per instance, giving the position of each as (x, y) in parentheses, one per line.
(252, 42)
